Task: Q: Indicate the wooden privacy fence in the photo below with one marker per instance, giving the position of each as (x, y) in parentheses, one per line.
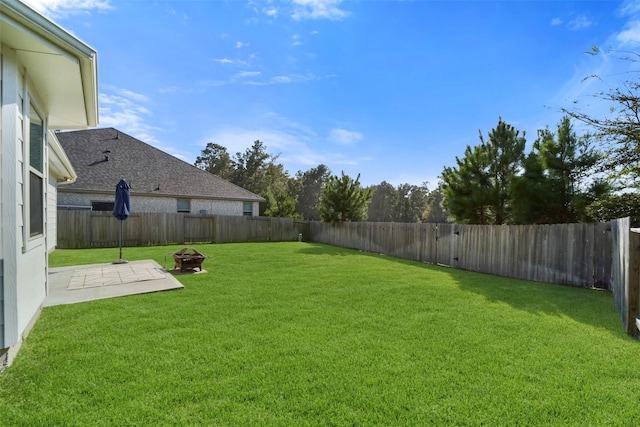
(90, 229)
(625, 274)
(605, 256)
(571, 254)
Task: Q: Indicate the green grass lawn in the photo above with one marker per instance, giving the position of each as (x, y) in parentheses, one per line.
(295, 334)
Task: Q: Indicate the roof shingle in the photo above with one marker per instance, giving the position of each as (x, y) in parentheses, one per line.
(101, 157)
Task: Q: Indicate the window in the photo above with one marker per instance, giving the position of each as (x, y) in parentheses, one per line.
(36, 208)
(102, 206)
(36, 173)
(247, 209)
(184, 205)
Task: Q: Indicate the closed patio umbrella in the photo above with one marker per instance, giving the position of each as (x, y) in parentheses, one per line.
(121, 209)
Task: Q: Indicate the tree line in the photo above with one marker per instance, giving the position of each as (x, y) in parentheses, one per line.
(497, 182)
(563, 178)
(316, 194)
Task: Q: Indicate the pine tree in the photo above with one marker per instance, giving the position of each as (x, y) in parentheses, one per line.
(478, 190)
(466, 189)
(344, 199)
(215, 159)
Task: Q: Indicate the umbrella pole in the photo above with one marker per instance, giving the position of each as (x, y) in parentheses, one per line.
(120, 260)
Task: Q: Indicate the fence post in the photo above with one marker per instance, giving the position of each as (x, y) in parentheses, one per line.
(633, 297)
(455, 246)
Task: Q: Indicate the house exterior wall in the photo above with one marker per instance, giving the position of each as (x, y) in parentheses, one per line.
(8, 148)
(52, 217)
(2, 210)
(24, 258)
(156, 203)
(47, 77)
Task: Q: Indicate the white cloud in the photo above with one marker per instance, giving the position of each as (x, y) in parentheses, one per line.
(300, 147)
(293, 78)
(630, 7)
(169, 89)
(631, 34)
(227, 61)
(318, 9)
(248, 74)
(272, 12)
(282, 79)
(344, 136)
(599, 73)
(255, 78)
(129, 94)
(58, 8)
(295, 146)
(123, 110)
(579, 23)
(556, 21)
(240, 45)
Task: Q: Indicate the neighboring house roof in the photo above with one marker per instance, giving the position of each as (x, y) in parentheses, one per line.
(101, 157)
(63, 68)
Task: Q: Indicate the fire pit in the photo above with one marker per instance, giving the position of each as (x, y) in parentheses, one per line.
(189, 259)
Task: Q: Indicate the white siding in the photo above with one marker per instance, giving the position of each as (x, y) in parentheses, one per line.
(25, 262)
(157, 204)
(35, 56)
(32, 289)
(52, 217)
(32, 259)
(21, 171)
(1, 209)
(10, 189)
(216, 207)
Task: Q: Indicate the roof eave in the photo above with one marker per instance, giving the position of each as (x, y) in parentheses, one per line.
(70, 48)
(59, 162)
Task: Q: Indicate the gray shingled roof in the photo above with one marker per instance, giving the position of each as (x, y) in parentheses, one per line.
(147, 169)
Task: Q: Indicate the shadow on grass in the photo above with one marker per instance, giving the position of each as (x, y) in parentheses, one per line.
(322, 249)
(587, 306)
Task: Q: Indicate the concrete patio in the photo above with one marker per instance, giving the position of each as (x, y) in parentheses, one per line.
(69, 285)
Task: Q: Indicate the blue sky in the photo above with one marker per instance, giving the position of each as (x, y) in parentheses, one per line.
(391, 90)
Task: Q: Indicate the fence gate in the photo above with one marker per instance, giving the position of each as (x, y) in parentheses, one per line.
(445, 244)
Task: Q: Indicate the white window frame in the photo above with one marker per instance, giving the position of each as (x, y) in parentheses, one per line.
(33, 241)
(247, 212)
(182, 210)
